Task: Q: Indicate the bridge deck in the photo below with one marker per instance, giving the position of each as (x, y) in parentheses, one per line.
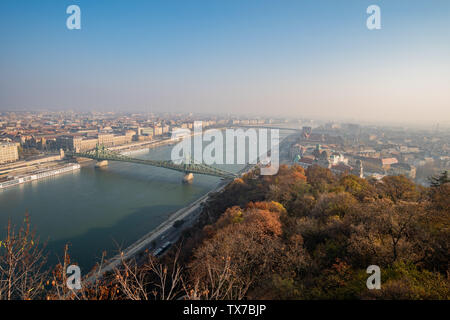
(101, 154)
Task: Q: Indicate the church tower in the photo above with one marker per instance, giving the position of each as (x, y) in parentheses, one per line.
(359, 168)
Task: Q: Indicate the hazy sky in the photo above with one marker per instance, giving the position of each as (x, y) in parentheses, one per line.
(296, 58)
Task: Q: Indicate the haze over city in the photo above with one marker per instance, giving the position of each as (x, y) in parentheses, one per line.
(294, 59)
(243, 152)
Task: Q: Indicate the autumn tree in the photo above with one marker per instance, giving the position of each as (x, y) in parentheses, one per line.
(22, 261)
(398, 188)
(360, 188)
(320, 178)
(384, 232)
(437, 181)
(241, 252)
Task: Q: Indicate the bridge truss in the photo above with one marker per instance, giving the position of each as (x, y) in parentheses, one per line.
(101, 153)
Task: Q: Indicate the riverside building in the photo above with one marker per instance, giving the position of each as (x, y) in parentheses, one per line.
(8, 152)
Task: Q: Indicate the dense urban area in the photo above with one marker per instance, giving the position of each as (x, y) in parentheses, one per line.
(33, 142)
(345, 197)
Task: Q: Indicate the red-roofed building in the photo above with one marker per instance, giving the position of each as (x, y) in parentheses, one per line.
(305, 162)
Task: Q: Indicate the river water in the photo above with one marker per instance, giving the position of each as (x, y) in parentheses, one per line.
(102, 209)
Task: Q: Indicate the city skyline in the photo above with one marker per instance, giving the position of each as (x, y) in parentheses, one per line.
(296, 59)
(240, 152)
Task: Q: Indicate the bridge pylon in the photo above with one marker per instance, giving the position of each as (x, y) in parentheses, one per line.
(188, 177)
(103, 163)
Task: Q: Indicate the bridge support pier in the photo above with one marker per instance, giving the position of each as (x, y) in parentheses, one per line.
(188, 178)
(100, 164)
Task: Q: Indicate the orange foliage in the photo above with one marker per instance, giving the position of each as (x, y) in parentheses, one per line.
(272, 206)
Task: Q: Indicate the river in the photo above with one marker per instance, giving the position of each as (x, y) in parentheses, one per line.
(102, 209)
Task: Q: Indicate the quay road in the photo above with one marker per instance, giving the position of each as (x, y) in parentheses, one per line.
(163, 233)
(166, 232)
(142, 145)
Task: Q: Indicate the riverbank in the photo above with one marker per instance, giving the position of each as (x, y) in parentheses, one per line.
(145, 242)
(165, 232)
(146, 145)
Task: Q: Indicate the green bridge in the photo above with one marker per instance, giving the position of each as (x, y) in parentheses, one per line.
(101, 153)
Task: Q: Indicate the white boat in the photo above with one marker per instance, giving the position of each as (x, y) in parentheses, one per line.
(39, 175)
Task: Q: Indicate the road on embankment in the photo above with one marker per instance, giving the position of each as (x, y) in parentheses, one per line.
(166, 232)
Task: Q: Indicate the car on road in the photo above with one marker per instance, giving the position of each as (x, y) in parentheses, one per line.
(159, 251)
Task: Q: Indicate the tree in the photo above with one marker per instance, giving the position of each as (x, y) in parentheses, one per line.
(404, 281)
(437, 181)
(398, 188)
(358, 187)
(320, 178)
(94, 286)
(150, 280)
(22, 263)
(242, 252)
(334, 204)
(383, 232)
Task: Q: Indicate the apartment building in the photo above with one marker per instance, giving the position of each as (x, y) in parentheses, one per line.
(121, 139)
(8, 152)
(165, 129)
(81, 143)
(76, 143)
(148, 131)
(158, 130)
(106, 139)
